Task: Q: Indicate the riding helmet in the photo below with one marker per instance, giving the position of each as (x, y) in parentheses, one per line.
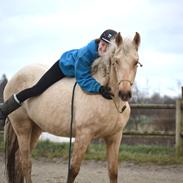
(108, 35)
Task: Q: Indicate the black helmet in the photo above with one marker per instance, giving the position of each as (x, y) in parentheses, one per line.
(108, 35)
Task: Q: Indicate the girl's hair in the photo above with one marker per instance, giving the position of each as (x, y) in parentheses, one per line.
(97, 40)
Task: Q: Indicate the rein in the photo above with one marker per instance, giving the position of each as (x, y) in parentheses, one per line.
(119, 111)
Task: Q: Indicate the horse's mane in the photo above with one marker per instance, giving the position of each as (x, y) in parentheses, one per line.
(102, 63)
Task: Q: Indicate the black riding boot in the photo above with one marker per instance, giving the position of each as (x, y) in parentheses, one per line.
(6, 108)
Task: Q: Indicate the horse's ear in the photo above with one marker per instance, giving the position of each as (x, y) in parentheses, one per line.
(118, 39)
(136, 40)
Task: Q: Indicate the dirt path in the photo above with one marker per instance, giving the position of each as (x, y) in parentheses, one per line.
(46, 171)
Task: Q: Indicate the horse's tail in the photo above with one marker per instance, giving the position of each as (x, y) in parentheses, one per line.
(12, 160)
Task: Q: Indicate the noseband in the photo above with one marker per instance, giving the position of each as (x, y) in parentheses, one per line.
(125, 80)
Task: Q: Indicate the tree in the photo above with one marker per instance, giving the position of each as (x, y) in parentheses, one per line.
(3, 82)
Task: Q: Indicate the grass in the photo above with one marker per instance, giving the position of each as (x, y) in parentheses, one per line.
(51, 150)
(136, 153)
(152, 154)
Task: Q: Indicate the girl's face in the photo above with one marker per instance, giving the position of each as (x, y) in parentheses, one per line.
(102, 47)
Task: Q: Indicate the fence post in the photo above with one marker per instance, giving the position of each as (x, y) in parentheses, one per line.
(179, 126)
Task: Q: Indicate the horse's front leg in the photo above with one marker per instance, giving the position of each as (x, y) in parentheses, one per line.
(113, 144)
(81, 143)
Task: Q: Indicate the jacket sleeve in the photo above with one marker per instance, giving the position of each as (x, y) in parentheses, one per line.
(83, 75)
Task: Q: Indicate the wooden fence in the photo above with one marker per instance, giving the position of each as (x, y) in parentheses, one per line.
(178, 134)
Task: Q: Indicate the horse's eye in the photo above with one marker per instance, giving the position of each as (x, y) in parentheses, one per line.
(136, 64)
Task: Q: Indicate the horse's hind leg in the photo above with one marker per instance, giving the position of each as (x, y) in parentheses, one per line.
(113, 144)
(80, 146)
(24, 138)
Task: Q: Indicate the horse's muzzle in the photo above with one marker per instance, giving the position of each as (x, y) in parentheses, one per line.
(125, 96)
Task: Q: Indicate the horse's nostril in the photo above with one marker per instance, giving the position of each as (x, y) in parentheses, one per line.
(125, 96)
(120, 94)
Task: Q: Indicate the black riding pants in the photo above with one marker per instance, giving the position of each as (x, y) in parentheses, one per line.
(50, 77)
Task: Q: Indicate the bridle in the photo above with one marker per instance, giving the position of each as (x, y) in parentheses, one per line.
(113, 64)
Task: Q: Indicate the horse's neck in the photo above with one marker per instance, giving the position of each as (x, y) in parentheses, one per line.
(100, 70)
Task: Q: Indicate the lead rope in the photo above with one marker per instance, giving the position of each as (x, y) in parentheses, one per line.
(71, 123)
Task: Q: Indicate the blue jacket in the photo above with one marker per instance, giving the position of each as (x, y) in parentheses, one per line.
(77, 63)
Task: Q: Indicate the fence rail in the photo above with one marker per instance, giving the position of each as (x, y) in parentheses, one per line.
(147, 133)
(153, 106)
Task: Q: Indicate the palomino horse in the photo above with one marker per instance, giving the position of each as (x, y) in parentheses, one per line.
(94, 116)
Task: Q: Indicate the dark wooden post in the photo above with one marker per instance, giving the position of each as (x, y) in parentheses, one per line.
(179, 126)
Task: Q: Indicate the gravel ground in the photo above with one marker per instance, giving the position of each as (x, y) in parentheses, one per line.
(55, 171)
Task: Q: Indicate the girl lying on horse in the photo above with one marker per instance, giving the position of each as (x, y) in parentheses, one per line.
(74, 63)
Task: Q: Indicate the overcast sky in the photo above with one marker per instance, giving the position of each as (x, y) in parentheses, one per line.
(39, 31)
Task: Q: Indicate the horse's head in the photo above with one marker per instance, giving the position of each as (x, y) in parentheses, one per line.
(124, 61)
